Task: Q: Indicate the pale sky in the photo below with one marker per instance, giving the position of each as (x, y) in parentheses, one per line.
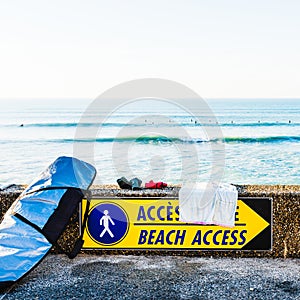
(226, 48)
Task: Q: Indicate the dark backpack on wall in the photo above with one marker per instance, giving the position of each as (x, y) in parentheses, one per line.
(35, 221)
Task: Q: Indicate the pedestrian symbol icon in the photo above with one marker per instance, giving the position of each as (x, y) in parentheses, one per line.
(104, 221)
(107, 224)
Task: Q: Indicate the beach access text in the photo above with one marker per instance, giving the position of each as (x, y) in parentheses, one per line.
(153, 223)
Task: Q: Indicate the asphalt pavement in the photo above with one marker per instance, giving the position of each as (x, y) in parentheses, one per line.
(160, 277)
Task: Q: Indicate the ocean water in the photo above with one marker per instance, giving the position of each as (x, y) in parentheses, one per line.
(259, 141)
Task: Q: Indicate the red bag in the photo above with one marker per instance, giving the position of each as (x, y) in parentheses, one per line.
(155, 185)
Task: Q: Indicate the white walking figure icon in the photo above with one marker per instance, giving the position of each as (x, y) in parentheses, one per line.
(104, 221)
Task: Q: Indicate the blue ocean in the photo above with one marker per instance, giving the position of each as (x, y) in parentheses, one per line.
(259, 142)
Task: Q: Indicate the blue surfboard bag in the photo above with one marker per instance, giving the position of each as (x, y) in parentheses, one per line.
(35, 221)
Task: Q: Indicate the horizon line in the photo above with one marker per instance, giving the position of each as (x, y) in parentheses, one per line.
(205, 98)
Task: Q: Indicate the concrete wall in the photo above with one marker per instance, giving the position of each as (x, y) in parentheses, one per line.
(286, 220)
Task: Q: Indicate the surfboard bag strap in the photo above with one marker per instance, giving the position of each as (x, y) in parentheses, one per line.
(79, 243)
(36, 220)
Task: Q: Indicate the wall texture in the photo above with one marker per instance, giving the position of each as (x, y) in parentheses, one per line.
(286, 219)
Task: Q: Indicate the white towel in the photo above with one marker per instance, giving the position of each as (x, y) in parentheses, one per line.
(208, 203)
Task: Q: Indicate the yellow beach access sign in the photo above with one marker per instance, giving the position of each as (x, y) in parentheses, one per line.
(153, 223)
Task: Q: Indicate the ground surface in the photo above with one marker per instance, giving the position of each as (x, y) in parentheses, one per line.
(160, 277)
